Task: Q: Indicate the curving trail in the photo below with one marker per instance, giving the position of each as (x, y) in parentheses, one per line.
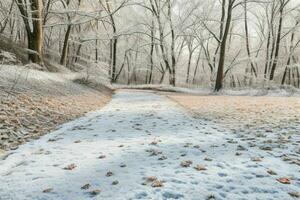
(143, 146)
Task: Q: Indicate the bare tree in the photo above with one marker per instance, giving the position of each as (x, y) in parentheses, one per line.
(32, 15)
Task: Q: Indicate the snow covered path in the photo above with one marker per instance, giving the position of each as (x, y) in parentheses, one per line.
(144, 146)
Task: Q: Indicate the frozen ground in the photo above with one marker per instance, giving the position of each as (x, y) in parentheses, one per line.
(144, 146)
(33, 102)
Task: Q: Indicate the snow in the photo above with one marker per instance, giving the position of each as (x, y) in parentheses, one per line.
(127, 131)
(274, 91)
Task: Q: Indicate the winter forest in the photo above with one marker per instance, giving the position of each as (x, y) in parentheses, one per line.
(211, 43)
(149, 99)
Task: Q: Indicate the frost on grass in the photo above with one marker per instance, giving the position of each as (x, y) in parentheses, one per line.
(118, 157)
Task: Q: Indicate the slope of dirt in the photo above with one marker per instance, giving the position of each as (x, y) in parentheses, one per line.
(32, 103)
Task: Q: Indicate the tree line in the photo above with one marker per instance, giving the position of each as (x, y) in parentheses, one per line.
(208, 43)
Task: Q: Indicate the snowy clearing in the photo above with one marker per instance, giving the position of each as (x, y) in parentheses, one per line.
(144, 146)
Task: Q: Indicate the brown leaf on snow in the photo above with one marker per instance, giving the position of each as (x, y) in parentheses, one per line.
(200, 168)
(256, 159)
(284, 180)
(186, 163)
(241, 148)
(207, 159)
(271, 172)
(163, 158)
(154, 143)
(70, 167)
(151, 178)
(154, 152)
(294, 194)
(94, 192)
(115, 182)
(77, 141)
(186, 145)
(86, 186)
(48, 190)
(157, 183)
(102, 157)
(108, 174)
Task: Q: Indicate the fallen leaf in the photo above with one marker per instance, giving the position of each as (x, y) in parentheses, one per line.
(266, 148)
(123, 165)
(154, 143)
(210, 197)
(102, 157)
(207, 159)
(48, 190)
(108, 174)
(284, 180)
(271, 172)
(157, 183)
(256, 159)
(163, 158)
(186, 163)
(70, 167)
(151, 178)
(86, 186)
(200, 168)
(294, 194)
(94, 192)
(154, 152)
(115, 183)
(241, 148)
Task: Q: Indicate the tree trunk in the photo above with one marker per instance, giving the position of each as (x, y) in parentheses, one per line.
(64, 54)
(253, 70)
(151, 53)
(35, 35)
(173, 58)
(189, 68)
(278, 40)
(220, 73)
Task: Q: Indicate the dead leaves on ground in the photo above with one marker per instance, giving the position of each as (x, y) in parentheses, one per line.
(208, 159)
(157, 183)
(200, 168)
(284, 180)
(102, 157)
(163, 158)
(294, 194)
(115, 182)
(94, 192)
(256, 159)
(109, 174)
(70, 167)
(154, 152)
(48, 190)
(186, 163)
(271, 172)
(86, 186)
(154, 182)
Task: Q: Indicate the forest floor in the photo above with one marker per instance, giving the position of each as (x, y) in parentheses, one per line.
(142, 145)
(33, 103)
